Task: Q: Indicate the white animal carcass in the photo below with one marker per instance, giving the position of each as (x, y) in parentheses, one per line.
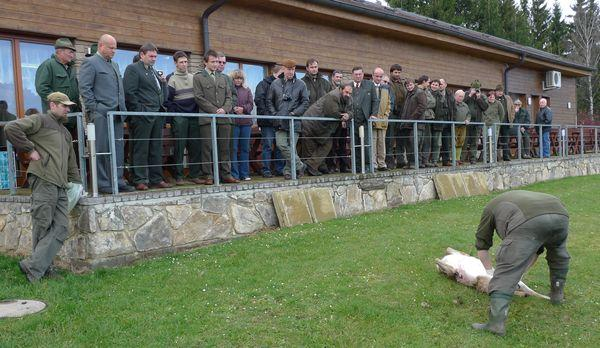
(468, 270)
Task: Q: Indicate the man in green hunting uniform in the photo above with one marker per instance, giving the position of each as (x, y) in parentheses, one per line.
(52, 167)
(527, 222)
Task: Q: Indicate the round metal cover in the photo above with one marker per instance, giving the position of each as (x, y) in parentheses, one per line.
(19, 308)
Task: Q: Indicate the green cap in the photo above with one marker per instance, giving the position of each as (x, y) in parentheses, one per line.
(476, 84)
(92, 50)
(63, 42)
(500, 88)
(58, 97)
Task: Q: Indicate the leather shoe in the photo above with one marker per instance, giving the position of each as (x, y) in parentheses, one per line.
(106, 190)
(198, 181)
(141, 187)
(208, 182)
(126, 188)
(230, 180)
(161, 185)
(313, 172)
(287, 176)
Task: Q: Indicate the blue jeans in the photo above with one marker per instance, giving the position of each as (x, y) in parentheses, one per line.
(546, 143)
(268, 148)
(240, 165)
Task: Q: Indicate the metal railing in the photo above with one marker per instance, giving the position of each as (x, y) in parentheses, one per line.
(569, 140)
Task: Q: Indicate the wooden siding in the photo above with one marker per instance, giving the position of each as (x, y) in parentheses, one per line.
(269, 31)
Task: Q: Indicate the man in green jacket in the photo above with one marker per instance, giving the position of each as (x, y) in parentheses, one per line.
(57, 74)
(315, 82)
(492, 115)
(52, 167)
(527, 222)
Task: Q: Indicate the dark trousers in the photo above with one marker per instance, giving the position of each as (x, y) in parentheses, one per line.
(102, 146)
(504, 141)
(338, 155)
(407, 143)
(392, 145)
(147, 149)
(186, 132)
(520, 246)
(50, 224)
(425, 143)
(314, 151)
(223, 144)
(473, 133)
(447, 144)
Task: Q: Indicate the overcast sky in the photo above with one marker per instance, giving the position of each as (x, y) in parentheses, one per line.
(564, 4)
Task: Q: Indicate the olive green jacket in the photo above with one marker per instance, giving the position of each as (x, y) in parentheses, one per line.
(317, 87)
(331, 105)
(429, 113)
(47, 135)
(51, 76)
(494, 113)
(212, 94)
(463, 113)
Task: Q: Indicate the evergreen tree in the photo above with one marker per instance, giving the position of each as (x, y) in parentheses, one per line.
(558, 31)
(540, 18)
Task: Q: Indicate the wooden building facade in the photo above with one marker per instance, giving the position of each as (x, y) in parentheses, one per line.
(255, 34)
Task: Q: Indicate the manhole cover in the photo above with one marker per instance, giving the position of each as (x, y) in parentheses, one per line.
(19, 308)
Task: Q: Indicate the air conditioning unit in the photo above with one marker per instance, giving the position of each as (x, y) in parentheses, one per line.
(552, 80)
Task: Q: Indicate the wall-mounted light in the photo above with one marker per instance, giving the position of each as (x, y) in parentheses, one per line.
(568, 105)
(528, 100)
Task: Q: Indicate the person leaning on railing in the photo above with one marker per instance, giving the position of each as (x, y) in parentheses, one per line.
(522, 116)
(318, 140)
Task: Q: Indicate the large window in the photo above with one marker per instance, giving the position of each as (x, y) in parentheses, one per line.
(164, 62)
(32, 55)
(7, 76)
(19, 60)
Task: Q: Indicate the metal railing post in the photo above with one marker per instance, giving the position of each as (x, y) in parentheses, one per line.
(484, 143)
(416, 144)
(491, 134)
(12, 168)
(81, 148)
(91, 130)
(519, 142)
(215, 149)
(453, 143)
(541, 143)
(352, 147)
(582, 140)
(113, 154)
(371, 146)
(293, 149)
(595, 139)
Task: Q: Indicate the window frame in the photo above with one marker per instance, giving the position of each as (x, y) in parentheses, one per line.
(16, 40)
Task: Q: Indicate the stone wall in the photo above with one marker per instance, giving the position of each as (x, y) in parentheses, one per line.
(110, 231)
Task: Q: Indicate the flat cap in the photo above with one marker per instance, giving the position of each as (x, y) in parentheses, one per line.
(60, 98)
(500, 88)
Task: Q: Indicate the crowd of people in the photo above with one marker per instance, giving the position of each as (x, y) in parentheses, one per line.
(319, 147)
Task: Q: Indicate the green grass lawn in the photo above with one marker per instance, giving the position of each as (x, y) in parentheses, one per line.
(364, 281)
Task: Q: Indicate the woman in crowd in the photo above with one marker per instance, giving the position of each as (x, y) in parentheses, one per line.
(240, 151)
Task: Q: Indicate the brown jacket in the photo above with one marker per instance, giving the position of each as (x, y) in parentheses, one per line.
(414, 107)
(211, 95)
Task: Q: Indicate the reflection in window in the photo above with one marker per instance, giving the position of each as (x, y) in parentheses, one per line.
(254, 74)
(164, 62)
(32, 55)
(229, 67)
(7, 82)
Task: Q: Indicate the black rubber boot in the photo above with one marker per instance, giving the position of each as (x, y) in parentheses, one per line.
(557, 294)
(499, 304)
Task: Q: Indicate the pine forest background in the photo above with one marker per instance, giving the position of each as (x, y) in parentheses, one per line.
(532, 23)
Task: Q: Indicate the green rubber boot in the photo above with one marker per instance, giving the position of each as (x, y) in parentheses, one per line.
(499, 304)
(557, 294)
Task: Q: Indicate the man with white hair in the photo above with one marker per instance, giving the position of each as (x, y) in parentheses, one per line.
(544, 117)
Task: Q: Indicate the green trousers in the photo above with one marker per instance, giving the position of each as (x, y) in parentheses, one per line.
(547, 231)
(186, 132)
(50, 224)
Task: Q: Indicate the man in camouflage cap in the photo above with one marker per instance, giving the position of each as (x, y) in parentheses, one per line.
(52, 167)
(57, 74)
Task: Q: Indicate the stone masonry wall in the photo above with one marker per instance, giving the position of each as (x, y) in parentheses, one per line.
(110, 231)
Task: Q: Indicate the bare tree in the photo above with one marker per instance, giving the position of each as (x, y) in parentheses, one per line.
(585, 38)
